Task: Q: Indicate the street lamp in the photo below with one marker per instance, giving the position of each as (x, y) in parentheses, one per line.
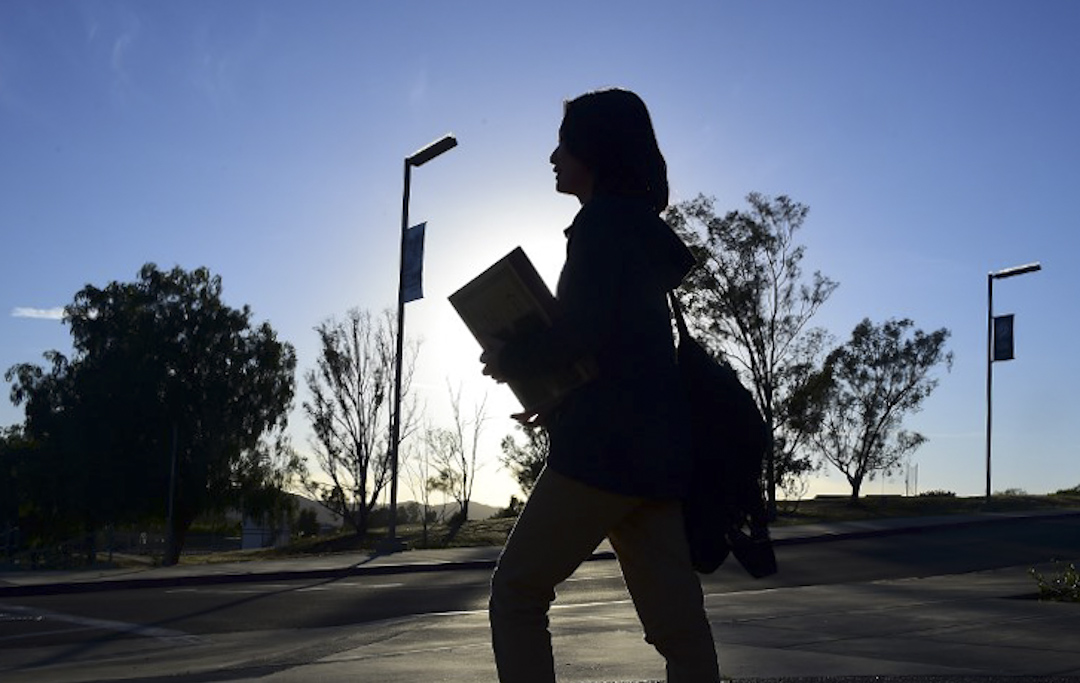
(990, 277)
(443, 144)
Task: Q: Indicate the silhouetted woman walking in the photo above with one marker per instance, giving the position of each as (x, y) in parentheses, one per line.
(619, 454)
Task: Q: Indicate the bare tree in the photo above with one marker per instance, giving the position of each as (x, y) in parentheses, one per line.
(749, 300)
(418, 474)
(454, 453)
(872, 381)
(350, 408)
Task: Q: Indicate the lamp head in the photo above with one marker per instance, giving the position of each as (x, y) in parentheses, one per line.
(443, 144)
(1016, 270)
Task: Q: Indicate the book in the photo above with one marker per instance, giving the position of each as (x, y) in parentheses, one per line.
(510, 300)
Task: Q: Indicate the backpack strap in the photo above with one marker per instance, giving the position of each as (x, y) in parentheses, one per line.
(680, 321)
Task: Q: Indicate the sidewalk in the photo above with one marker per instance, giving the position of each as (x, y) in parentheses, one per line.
(977, 627)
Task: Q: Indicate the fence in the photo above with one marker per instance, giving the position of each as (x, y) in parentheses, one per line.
(103, 546)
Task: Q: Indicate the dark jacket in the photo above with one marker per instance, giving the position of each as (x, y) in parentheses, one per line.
(626, 430)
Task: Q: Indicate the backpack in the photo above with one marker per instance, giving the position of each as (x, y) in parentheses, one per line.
(723, 511)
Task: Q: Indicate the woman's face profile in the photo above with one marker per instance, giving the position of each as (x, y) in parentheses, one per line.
(571, 176)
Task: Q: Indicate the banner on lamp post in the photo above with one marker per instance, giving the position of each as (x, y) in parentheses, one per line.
(412, 264)
(1003, 337)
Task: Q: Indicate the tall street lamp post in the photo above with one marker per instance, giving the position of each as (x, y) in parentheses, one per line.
(443, 144)
(991, 356)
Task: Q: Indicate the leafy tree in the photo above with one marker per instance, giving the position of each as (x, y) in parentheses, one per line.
(57, 484)
(526, 461)
(16, 453)
(9, 500)
(882, 373)
(749, 300)
(162, 371)
(350, 409)
(264, 479)
(454, 453)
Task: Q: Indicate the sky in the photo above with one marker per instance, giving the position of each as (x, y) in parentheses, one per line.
(934, 142)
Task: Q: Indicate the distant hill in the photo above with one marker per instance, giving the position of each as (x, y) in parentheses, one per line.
(477, 511)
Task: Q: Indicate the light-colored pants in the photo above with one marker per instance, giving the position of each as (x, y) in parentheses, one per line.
(560, 527)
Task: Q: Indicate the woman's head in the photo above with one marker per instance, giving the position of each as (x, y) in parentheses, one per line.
(610, 133)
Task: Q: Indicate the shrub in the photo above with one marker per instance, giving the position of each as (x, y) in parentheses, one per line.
(307, 523)
(938, 493)
(1068, 492)
(1064, 586)
(1011, 492)
(512, 510)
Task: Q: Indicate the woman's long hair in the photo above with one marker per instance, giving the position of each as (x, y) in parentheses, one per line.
(611, 132)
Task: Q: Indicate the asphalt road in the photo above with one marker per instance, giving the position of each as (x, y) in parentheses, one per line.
(59, 626)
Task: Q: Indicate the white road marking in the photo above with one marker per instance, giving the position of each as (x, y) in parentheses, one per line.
(102, 624)
(54, 632)
(269, 588)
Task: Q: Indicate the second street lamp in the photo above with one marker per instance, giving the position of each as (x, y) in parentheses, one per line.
(990, 355)
(419, 158)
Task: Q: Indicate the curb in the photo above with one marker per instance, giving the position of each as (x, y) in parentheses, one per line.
(251, 577)
(426, 567)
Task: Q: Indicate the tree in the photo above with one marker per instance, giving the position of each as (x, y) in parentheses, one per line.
(749, 300)
(264, 480)
(15, 454)
(454, 453)
(57, 484)
(350, 408)
(162, 372)
(526, 461)
(882, 373)
(417, 468)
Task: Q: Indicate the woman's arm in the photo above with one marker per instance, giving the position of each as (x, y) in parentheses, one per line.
(588, 295)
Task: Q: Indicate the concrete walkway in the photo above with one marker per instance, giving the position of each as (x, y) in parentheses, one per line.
(971, 627)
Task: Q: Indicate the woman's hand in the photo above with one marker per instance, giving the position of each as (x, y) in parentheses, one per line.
(490, 359)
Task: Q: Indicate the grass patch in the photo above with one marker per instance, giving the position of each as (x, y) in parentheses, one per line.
(493, 532)
(842, 509)
(473, 533)
(488, 532)
(1062, 585)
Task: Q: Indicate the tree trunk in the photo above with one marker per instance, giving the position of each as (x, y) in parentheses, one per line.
(360, 522)
(179, 530)
(856, 486)
(91, 544)
(770, 474)
(458, 520)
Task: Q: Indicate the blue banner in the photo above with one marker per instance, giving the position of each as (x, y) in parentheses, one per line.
(412, 264)
(1003, 337)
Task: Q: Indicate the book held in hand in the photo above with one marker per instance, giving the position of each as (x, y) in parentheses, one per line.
(509, 300)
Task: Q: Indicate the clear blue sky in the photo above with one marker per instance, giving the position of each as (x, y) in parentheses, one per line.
(934, 142)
